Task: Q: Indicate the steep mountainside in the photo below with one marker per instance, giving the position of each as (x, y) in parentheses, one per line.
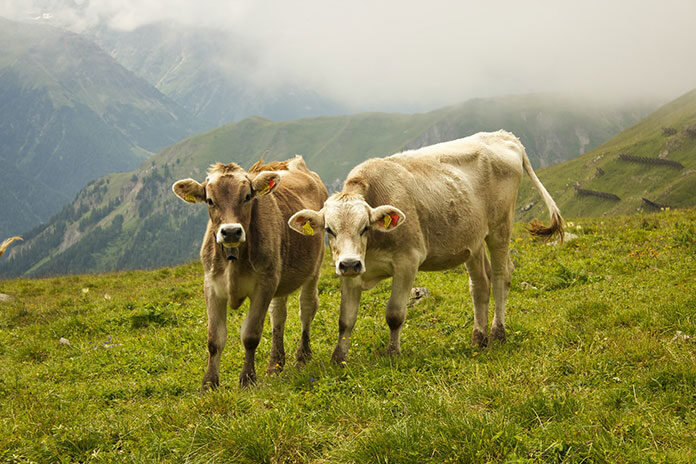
(655, 160)
(132, 220)
(209, 73)
(69, 113)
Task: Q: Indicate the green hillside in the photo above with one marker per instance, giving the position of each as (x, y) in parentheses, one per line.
(599, 365)
(132, 220)
(69, 114)
(668, 134)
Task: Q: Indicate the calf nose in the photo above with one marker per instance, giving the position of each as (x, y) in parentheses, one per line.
(231, 233)
(350, 266)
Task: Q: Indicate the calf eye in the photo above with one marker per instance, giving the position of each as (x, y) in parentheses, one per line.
(209, 201)
(365, 230)
(330, 232)
(247, 197)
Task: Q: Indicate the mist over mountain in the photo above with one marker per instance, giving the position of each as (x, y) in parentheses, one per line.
(212, 73)
(407, 56)
(69, 113)
(132, 220)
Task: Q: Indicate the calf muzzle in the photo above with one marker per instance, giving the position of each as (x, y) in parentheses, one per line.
(229, 237)
(231, 233)
(350, 267)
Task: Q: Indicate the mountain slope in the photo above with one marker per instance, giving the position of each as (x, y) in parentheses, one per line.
(132, 220)
(668, 134)
(553, 129)
(69, 114)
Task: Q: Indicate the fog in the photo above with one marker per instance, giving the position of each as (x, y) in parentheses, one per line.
(396, 54)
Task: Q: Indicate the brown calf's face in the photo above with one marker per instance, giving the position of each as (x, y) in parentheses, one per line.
(229, 192)
(347, 221)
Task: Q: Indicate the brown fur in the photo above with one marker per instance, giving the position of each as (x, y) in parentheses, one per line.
(272, 166)
(271, 260)
(224, 169)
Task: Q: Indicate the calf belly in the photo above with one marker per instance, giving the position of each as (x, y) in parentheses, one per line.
(441, 262)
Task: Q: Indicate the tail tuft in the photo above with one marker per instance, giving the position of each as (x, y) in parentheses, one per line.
(537, 229)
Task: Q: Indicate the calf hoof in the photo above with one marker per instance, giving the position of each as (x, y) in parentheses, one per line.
(303, 356)
(247, 379)
(479, 339)
(498, 333)
(393, 351)
(209, 383)
(276, 362)
(274, 367)
(339, 357)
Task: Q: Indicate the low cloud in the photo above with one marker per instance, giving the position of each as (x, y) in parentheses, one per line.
(392, 54)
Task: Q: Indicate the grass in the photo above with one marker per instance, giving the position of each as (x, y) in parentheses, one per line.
(597, 366)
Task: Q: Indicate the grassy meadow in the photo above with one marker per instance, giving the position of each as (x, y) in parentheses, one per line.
(599, 365)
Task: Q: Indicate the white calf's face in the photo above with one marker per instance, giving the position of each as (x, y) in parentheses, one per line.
(347, 222)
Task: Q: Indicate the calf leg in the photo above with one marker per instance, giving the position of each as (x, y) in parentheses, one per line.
(309, 303)
(251, 333)
(217, 336)
(278, 312)
(350, 301)
(502, 272)
(396, 307)
(479, 269)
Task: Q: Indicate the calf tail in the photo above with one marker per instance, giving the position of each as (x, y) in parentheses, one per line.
(535, 227)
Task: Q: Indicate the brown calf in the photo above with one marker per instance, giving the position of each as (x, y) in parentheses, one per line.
(249, 252)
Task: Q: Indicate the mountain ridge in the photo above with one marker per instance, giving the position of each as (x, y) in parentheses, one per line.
(132, 220)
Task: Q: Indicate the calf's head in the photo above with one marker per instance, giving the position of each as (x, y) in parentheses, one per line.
(347, 219)
(229, 192)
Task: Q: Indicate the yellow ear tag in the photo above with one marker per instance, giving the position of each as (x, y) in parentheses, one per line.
(190, 198)
(387, 221)
(307, 229)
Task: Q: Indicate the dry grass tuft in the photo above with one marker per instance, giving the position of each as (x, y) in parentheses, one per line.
(7, 243)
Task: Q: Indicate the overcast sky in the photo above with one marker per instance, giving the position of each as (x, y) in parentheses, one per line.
(436, 52)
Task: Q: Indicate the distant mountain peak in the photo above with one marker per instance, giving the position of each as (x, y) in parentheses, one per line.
(69, 113)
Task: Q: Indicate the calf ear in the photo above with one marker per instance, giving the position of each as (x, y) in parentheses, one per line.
(265, 182)
(307, 222)
(189, 190)
(386, 218)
